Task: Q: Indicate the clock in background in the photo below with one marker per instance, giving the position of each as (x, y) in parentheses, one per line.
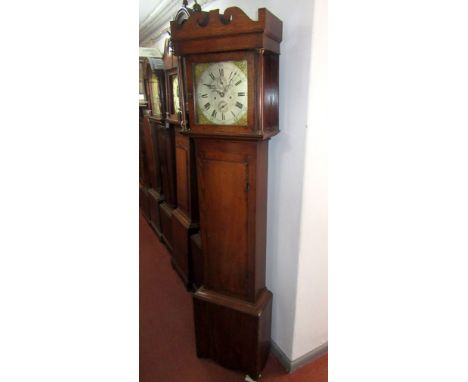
(174, 90)
(156, 96)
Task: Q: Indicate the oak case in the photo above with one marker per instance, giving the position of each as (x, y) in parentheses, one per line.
(232, 308)
(181, 216)
(155, 124)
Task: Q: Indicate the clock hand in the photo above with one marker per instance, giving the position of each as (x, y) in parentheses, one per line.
(228, 86)
(213, 87)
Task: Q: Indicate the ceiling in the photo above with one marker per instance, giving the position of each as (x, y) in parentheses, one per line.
(147, 6)
(155, 16)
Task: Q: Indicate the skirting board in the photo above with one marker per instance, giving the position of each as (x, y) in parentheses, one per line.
(292, 366)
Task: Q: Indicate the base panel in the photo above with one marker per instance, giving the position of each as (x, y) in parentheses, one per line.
(232, 332)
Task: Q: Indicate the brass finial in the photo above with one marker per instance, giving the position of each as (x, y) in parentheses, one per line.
(196, 7)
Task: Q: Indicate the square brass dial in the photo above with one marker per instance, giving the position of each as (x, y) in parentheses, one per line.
(221, 92)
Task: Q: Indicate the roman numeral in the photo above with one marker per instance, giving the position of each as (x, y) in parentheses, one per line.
(241, 94)
(207, 106)
(212, 76)
(221, 72)
(222, 116)
(213, 114)
(239, 105)
(204, 95)
(233, 114)
(238, 82)
(231, 75)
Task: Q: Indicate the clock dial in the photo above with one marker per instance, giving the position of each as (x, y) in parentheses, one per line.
(175, 94)
(156, 100)
(142, 85)
(221, 93)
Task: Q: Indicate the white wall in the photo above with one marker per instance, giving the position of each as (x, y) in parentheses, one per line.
(299, 303)
(310, 327)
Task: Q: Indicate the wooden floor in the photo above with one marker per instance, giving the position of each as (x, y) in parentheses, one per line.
(167, 343)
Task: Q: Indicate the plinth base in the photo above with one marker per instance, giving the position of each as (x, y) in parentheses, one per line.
(232, 332)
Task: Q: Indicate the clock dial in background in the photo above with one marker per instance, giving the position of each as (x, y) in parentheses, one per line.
(175, 94)
(142, 85)
(156, 100)
(221, 93)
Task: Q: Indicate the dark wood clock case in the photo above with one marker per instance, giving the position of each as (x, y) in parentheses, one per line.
(143, 170)
(152, 124)
(168, 192)
(180, 216)
(232, 307)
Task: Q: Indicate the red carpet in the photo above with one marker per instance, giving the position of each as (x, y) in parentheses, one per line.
(167, 342)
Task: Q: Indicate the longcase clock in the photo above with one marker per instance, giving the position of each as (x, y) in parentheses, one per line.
(143, 146)
(232, 76)
(166, 141)
(155, 83)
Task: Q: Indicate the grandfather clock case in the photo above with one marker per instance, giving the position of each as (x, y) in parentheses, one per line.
(232, 74)
(153, 123)
(184, 213)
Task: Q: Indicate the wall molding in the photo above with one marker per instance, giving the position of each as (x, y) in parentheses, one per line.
(292, 366)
